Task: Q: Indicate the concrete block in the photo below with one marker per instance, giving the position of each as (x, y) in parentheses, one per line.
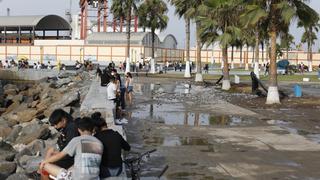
(306, 79)
(236, 79)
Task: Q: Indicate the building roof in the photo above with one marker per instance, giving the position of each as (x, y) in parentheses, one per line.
(137, 38)
(48, 22)
(168, 41)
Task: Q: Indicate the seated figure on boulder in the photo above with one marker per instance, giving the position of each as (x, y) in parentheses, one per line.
(86, 150)
(65, 124)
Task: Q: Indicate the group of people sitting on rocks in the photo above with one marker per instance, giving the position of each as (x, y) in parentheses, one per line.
(86, 149)
(119, 89)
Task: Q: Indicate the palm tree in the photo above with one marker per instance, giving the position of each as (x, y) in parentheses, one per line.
(286, 42)
(152, 14)
(195, 9)
(181, 7)
(219, 24)
(276, 13)
(125, 8)
(309, 36)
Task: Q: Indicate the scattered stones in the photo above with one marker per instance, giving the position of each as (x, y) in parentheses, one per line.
(14, 134)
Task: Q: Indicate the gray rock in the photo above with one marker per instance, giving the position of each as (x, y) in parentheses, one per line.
(14, 134)
(67, 100)
(30, 164)
(7, 168)
(10, 86)
(32, 132)
(17, 176)
(22, 116)
(10, 92)
(62, 82)
(5, 130)
(6, 151)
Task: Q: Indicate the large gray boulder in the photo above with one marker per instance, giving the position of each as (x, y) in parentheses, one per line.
(14, 134)
(17, 176)
(7, 152)
(32, 132)
(7, 168)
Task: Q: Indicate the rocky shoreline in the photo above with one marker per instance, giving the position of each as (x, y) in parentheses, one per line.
(24, 129)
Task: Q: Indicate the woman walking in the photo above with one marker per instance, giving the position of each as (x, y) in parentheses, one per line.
(129, 87)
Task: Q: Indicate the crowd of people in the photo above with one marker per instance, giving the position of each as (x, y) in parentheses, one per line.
(86, 149)
(119, 88)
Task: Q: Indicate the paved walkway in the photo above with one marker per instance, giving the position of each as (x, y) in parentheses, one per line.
(96, 100)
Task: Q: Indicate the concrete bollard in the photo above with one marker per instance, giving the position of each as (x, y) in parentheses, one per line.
(306, 79)
(236, 79)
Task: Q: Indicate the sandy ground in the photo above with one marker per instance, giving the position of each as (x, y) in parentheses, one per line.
(203, 133)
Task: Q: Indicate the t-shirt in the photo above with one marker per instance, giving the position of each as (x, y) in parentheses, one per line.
(87, 151)
(111, 90)
(113, 142)
(67, 134)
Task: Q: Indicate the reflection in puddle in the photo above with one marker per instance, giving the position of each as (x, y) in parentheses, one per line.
(174, 114)
(171, 141)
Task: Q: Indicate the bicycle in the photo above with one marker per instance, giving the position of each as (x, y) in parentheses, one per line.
(134, 164)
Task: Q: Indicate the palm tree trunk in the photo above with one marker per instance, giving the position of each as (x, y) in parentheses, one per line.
(226, 77)
(199, 77)
(267, 51)
(241, 56)
(262, 48)
(309, 56)
(232, 58)
(187, 70)
(128, 40)
(246, 59)
(273, 93)
(153, 69)
(256, 62)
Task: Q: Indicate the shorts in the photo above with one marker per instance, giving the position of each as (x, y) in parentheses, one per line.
(64, 175)
(130, 88)
(66, 162)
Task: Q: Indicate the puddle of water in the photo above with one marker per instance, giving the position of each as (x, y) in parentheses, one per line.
(172, 141)
(174, 114)
(312, 137)
(289, 163)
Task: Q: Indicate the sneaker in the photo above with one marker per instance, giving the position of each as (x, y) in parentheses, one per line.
(124, 120)
(121, 121)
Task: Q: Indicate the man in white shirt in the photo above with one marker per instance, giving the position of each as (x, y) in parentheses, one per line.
(112, 90)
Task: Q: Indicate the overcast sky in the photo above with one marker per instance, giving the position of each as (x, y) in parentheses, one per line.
(176, 26)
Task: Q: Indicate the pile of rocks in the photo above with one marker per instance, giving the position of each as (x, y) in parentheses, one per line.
(24, 129)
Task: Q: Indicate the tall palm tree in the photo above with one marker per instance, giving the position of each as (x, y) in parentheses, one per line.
(286, 40)
(276, 13)
(152, 14)
(309, 36)
(219, 25)
(181, 7)
(195, 9)
(125, 8)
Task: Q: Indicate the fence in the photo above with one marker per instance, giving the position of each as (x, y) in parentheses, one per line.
(103, 54)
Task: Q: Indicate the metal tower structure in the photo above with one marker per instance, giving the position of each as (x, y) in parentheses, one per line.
(97, 12)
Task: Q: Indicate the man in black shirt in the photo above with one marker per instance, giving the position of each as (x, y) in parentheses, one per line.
(64, 123)
(113, 143)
